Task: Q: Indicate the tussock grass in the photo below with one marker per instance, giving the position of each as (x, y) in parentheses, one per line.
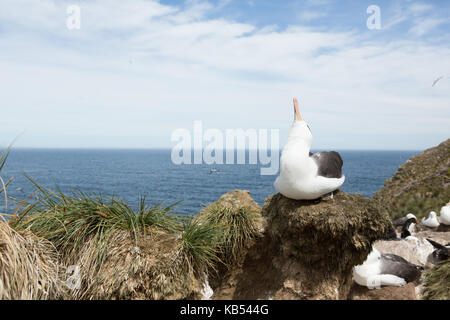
(28, 266)
(69, 221)
(201, 244)
(121, 253)
(436, 282)
(148, 253)
(237, 226)
(4, 184)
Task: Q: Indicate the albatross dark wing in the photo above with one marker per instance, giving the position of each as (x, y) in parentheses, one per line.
(399, 222)
(396, 265)
(441, 253)
(329, 163)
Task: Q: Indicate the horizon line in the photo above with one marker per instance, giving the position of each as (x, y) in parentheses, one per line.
(168, 149)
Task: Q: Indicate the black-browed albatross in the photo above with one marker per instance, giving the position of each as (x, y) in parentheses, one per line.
(303, 175)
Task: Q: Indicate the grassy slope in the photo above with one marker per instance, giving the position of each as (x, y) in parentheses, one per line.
(437, 282)
(420, 185)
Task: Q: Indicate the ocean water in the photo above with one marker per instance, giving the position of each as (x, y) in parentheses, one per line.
(131, 173)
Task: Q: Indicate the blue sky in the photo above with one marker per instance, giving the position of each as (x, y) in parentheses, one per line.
(137, 70)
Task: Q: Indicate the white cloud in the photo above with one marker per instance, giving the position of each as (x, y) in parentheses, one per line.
(318, 2)
(420, 8)
(309, 15)
(423, 26)
(418, 14)
(141, 69)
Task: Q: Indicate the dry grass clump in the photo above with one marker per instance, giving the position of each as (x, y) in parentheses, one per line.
(436, 282)
(28, 266)
(156, 267)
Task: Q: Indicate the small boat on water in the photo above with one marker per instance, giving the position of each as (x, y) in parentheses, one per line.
(212, 170)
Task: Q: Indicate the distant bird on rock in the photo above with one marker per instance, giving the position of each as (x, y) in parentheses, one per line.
(401, 221)
(431, 221)
(445, 215)
(408, 228)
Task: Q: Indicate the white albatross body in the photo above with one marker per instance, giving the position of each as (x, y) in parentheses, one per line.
(431, 221)
(385, 270)
(369, 273)
(445, 215)
(299, 177)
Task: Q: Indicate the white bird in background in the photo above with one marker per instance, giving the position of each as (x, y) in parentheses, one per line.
(385, 270)
(437, 80)
(303, 175)
(431, 221)
(409, 228)
(445, 215)
(401, 221)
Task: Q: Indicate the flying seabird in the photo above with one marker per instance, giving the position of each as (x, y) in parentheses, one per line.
(445, 215)
(401, 221)
(441, 253)
(437, 80)
(431, 221)
(385, 270)
(303, 175)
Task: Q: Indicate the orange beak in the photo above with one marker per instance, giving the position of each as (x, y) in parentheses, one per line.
(296, 112)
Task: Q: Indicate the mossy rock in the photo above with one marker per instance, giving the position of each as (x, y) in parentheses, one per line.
(307, 250)
(341, 229)
(420, 185)
(235, 199)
